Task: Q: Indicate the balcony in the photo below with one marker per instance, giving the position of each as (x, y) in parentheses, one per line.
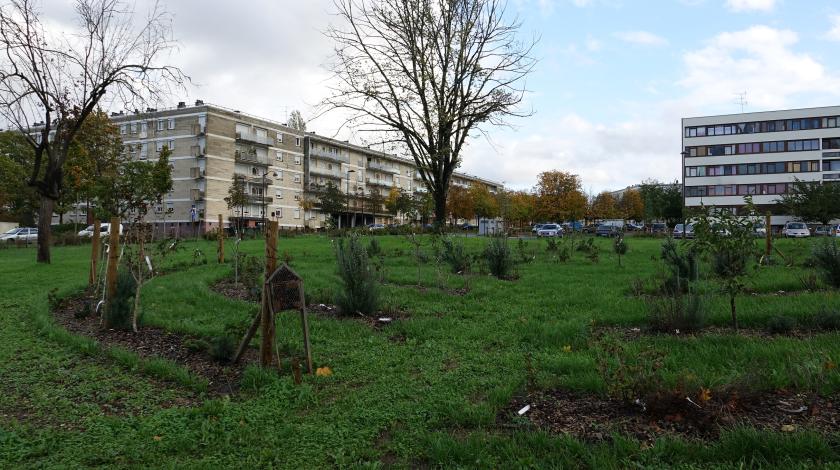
(420, 189)
(252, 137)
(323, 154)
(379, 182)
(196, 173)
(259, 180)
(249, 157)
(325, 172)
(196, 195)
(197, 151)
(259, 199)
(383, 167)
(198, 129)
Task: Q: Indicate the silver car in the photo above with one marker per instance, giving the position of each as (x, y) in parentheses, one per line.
(25, 234)
(687, 232)
(550, 230)
(796, 230)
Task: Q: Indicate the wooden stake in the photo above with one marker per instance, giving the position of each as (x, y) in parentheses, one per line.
(252, 330)
(267, 321)
(113, 260)
(768, 240)
(221, 240)
(94, 252)
(304, 321)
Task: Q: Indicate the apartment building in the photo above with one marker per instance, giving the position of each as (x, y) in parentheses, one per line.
(284, 170)
(758, 154)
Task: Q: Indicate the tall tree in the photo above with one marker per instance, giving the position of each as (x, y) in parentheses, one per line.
(51, 81)
(460, 205)
(426, 74)
(812, 201)
(484, 204)
(332, 200)
(296, 121)
(237, 199)
(605, 206)
(560, 196)
(18, 201)
(631, 205)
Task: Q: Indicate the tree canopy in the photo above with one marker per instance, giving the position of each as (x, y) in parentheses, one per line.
(812, 201)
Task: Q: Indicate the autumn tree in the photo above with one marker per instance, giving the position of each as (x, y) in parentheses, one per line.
(631, 206)
(236, 201)
(484, 204)
(662, 201)
(520, 208)
(51, 80)
(459, 204)
(559, 196)
(427, 74)
(605, 206)
(332, 200)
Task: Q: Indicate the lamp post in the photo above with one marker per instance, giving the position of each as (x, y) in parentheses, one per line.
(684, 154)
(264, 185)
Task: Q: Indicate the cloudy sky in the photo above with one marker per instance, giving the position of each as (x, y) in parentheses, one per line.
(613, 80)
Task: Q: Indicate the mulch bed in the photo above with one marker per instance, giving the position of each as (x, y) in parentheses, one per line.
(151, 342)
(376, 321)
(594, 418)
(233, 290)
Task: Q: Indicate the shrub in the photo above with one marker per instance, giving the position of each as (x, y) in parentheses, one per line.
(620, 248)
(522, 251)
(455, 255)
(827, 320)
(373, 248)
(359, 292)
(118, 313)
(221, 348)
(252, 268)
(679, 313)
(682, 267)
(551, 245)
(498, 256)
(826, 257)
(780, 325)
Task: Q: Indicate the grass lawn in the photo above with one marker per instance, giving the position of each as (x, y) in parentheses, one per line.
(425, 390)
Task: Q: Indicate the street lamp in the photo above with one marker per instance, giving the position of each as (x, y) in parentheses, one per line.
(264, 187)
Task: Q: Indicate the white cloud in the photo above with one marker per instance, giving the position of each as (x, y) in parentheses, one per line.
(760, 60)
(644, 38)
(833, 34)
(751, 5)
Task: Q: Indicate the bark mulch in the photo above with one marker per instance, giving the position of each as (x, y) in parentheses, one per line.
(151, 342)
(595, 418)
(233, 290)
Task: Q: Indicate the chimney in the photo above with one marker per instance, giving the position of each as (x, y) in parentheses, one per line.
(182, 105)
(199, 102)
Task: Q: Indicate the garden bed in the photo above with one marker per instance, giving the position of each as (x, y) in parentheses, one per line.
(595, 418)
(152, 342)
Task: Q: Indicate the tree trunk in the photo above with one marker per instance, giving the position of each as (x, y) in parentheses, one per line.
(45, 229)
(440, 209)
(732, 309)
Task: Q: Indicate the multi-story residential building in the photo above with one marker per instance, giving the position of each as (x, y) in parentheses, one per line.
(284, 169)
(758, 154)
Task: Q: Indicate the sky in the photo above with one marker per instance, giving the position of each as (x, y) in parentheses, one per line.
(612, 81)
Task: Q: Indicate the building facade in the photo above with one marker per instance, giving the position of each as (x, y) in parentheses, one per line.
(758, 154)
(284, 170)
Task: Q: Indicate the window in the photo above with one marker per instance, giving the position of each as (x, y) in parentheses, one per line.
(171, 144)
(279, 194)
(133, 127)
(159, 145)
(123, 129)
(297, 197)
(278, 155)
(297, 159)
(297, 141)
(297, 178)
(278, 212)
(279, 175)
(170, 123)
(279, 137)
(160, 124)
(297, 213)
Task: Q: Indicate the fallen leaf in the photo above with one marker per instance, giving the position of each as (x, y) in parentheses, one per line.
(788, 428)
(829, 365)
(705, 395)
(567, 348)
(323, 372)
(157, 438)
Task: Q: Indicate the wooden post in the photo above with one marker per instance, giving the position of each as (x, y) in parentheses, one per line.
(221, 240)
(267, 321)
(304, 322)
(768, 240)
(94, 252)
(113, 260)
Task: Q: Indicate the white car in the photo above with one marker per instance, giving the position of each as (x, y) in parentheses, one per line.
(796, 230)
(550, 230)
(25, 234)
(104, 230)
(835, 231)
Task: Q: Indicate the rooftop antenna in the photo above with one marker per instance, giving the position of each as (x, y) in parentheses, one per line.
(741, 100)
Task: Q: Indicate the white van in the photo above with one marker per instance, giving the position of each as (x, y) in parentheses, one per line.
(104, 230)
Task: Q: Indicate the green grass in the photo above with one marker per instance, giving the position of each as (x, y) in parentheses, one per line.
(431, 399)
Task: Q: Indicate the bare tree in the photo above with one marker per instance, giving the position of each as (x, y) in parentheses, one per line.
(50, 82)
(296, 121)
(426, 74)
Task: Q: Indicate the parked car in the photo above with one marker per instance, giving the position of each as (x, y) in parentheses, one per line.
(575, 226)
(590, 228)
(658, 227)
(634, 227)
(837, 231)
(468, 226)
(550, 230)
(536, 228)
(684, 231)
(25, 234)
(796, 230)
(759, 230)
(823, 231)
(607, 230)
(376, 226)
(104, 230)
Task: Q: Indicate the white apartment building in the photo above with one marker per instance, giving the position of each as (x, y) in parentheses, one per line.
(759, 154)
